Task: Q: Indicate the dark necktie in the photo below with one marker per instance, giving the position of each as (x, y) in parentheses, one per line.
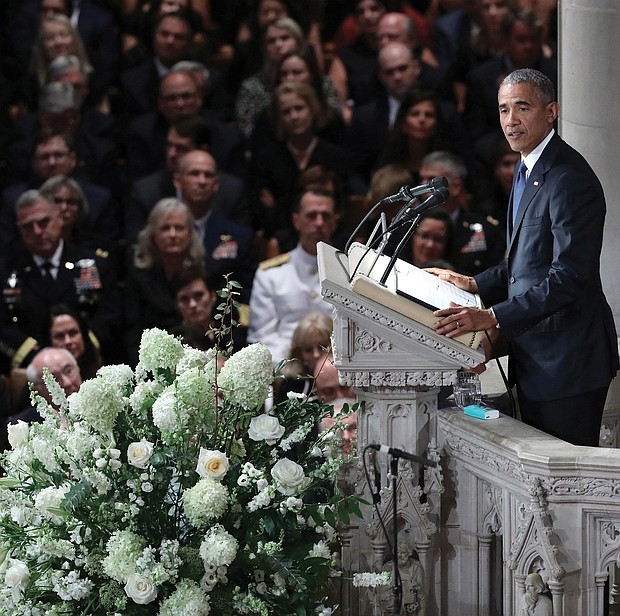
(46, 270)
(517, 191)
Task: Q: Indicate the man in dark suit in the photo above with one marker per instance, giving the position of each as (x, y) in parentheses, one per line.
(183, 136)
(229, 245)
(45, 270)
(546, 296)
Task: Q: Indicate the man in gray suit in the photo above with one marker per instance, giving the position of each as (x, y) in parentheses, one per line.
(546, 296)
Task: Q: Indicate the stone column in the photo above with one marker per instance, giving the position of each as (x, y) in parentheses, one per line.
(589, 95)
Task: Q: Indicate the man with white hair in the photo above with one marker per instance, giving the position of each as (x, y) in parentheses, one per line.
(63, 367)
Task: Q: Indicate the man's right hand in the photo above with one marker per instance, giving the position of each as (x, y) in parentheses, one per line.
(467, 283)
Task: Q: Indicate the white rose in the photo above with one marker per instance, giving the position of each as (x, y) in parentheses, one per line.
(139, 454)
(212, 464)
(289, 475)
(18, 433)
(265, 428)
(17, 575)
(140, 589)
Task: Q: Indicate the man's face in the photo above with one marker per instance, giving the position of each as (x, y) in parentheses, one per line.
(524, 45)
(172, 40)
(197, 180)
(53, 157)
(51, 7)
(392, 29)
(179, 97)
(316, 221)
(176, 147)
(493, 12)
(524, 118)
(63, 369)
(398, 71)
(40, 227)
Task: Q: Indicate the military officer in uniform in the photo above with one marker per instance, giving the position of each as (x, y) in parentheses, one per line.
(287, 287)
(45, 270)
(477, 241)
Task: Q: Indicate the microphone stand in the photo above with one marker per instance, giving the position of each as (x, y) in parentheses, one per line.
(408, 235)
(397, 587)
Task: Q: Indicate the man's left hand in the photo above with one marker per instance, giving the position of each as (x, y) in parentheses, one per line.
(458, 320)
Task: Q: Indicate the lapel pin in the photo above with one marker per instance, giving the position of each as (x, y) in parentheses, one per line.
(536, 183)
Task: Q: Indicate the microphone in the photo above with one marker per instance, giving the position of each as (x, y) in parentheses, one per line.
(407, 193)
(437, 198)
(399, 453)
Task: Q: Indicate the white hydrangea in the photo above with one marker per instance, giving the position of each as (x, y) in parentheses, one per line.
(143, 392)
(98, 402)
(80, 442)
(168, 414)
(245, 378)
(219, 547)
(194, 358)
(120, 375)
(71, 587)
(205, 502)
(44, 452)
(188, 599)
(195, 387)
(124, 548)
(371, 580)
(158, 351)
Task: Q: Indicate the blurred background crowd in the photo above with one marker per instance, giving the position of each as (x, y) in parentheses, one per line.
(150, 147)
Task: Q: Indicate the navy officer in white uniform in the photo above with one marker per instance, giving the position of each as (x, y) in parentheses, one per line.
(287, 287)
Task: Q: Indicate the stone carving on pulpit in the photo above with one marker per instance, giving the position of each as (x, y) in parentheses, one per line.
(412, 583)
(534, 602)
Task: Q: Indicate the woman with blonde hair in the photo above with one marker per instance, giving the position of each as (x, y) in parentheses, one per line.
(311, 340)
(57, 37)
(167, 244)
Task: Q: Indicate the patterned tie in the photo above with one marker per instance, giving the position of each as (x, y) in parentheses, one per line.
(517, 191)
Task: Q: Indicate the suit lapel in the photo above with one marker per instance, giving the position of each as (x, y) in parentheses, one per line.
(534, 183)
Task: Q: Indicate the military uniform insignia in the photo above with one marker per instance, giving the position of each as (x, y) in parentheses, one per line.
(477, 241)
(275, 261)
(11, 291)
(86, 279)
(228, 248)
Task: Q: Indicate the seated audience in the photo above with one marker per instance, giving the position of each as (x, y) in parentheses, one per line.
(196, 300)
(44, 270)
(329, 390)
(310, 341)
(167, 244)
(68, 330)
(287, 286)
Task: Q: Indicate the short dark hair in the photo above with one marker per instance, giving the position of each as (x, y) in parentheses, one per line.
(195, 128)
(320, 192)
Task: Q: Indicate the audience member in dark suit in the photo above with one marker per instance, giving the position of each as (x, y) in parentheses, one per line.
(278, 164)
(45, 270)
(183, 136)
(167, 244)
(398, 72)
(524, 49)
(63, 367)
(140, 84)
(354, 68)
(54, 156)
(179, 98)
(546, 296)
(229, 245)
(94, 134)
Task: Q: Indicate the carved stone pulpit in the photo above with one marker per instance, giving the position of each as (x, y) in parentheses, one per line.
(397, 365)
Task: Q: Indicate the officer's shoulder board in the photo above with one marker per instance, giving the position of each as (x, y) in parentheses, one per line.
(275, 261)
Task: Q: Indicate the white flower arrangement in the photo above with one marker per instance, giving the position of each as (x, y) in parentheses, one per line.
(168, 490)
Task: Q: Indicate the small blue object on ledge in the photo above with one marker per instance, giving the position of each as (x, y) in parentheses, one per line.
(474, 410)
